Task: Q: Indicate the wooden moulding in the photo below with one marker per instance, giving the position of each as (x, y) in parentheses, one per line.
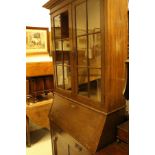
(51, 3)
(39, 69)
(109, 131)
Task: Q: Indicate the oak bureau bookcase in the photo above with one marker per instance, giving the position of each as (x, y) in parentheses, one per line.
(90, 44)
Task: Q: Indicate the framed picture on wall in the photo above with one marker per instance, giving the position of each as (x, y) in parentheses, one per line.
(37, 40)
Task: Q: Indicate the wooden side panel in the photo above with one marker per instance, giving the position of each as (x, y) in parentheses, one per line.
(39, 69)
(116, 50)
(84, 124)
(109, 130)
(48, 83)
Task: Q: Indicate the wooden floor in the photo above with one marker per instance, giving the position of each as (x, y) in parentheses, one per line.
(115, 149)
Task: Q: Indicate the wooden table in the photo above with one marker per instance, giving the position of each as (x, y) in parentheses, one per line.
(34, 69)
(39, 78)
(38, 114)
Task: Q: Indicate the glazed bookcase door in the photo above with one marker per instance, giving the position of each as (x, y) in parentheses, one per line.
(62, 49)
(87, 42)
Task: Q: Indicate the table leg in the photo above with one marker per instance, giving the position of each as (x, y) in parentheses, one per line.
(28, 140)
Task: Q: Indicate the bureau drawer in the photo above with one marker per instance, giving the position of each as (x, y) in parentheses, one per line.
(64, 144)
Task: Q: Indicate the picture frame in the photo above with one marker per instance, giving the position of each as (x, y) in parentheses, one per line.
(37, 40)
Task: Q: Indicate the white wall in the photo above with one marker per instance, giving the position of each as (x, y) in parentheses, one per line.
(36, 15)
(15, 15)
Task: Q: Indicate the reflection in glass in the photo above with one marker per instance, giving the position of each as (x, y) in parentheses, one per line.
(82, 50)
(57, 21)
(65, 24)
(83, 81)
(93, 16)
(95, 84)
(66, 45)
(58, 57)
(81, 19)
(59, 76)
(57, 32)
(66, 57)
(57, 26)
(67, 77)
(94, 50)
(58, 45)
(62, 50)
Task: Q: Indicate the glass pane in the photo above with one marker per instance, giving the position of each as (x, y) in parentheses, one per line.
(67, 77)
(94, 50)
(59, 76)
(95, 84)
(93, 16)
(57, 26)
(65, 25)
(66, 45)
(82, 50)
(57, 21)
(66, 57)
(57, 32)
(83, 81)
(81, 19)
(58, 45)
(58, 57)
